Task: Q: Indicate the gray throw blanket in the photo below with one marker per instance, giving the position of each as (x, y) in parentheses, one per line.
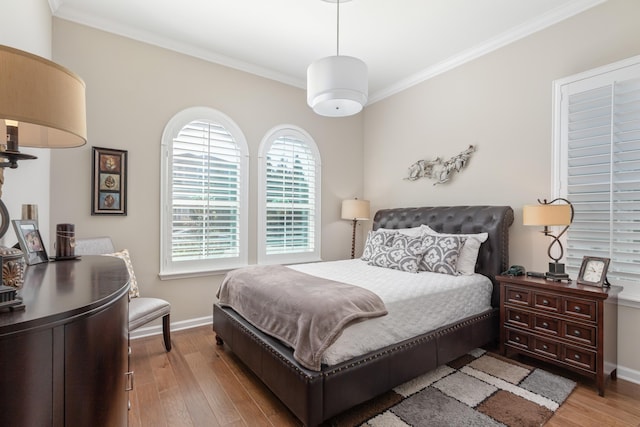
(306, 312)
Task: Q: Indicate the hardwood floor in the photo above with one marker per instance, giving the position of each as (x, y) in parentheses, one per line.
(201, 384)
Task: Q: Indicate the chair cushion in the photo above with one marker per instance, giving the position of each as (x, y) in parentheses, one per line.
(143, 310)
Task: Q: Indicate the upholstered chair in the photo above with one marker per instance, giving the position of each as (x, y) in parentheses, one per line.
(142, 310)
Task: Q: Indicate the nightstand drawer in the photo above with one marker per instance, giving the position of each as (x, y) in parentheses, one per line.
(518, 318)
(547, 302)
(547, 325)
(518, 339)
(547, 348)
(580, 308)
(581, 358)
(580, 333)
(517, 296)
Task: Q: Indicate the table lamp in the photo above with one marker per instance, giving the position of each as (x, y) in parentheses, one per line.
(548, 214)
(42, 104)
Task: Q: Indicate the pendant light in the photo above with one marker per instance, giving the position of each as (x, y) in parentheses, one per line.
(337, 86)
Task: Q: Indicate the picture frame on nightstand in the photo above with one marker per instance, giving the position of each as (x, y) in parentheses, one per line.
(593, 272)
(30, 241)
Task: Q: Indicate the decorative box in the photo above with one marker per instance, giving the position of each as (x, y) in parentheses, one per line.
(12, 267)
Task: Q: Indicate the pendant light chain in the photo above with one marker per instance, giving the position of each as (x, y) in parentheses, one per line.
(338, 30)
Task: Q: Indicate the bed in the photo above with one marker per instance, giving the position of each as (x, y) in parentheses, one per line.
(315, 396)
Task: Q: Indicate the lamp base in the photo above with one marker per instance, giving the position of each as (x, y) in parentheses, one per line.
(556, 272)
(556, 268)
(557, 277)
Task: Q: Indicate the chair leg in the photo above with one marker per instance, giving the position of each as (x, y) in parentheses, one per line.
(166, 332)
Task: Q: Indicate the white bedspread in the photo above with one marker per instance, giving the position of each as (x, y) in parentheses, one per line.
(417, 303)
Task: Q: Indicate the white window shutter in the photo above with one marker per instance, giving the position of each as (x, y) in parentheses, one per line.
(204, 194)
(600, 140)
(289, 203)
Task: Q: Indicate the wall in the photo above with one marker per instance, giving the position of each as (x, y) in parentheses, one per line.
(501, 102)
(133, 89)
(29, 184)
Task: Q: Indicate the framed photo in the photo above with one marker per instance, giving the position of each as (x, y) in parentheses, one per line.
(30, 241)
(593, 271)
(109, 182)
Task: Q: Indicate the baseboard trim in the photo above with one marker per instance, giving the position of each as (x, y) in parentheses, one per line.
(175, 326)
(630, 375)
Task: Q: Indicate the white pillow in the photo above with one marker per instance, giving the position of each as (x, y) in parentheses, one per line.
(411, 232)
(468, 254)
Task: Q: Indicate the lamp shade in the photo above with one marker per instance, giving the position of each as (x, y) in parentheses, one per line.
(337, 86)
(546, 214)
(356, 209)
(47, 100)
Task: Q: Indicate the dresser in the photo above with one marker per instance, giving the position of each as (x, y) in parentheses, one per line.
(569, 325)
(65, 357)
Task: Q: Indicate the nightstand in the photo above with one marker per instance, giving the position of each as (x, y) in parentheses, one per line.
(569, 325)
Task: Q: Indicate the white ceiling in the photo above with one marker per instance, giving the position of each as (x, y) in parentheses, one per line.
(403, 42)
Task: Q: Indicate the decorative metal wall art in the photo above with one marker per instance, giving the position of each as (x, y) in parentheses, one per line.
(438, 169)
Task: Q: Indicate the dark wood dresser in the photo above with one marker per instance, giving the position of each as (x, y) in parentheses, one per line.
(65, 357)
(570, 325)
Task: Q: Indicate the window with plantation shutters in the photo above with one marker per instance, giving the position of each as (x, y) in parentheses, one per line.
(289, 205)
(598, 158)
(204, 193)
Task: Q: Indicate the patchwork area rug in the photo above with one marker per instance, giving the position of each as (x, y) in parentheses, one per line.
(477, 389)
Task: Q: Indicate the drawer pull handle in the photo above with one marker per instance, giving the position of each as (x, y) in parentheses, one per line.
(577, 357)
(517, 317)
(517, 339)
(128, 381)
(518, 296)
(545, 325)
(545, 347)
(545, 302)
(576, 309)
(576, 333)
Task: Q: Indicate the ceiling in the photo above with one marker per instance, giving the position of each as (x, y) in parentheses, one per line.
(403, 42)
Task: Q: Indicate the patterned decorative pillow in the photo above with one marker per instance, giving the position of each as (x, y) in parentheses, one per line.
(468, 254)
(133, 283)
(375, 239)
(441, 254)
(405, 254)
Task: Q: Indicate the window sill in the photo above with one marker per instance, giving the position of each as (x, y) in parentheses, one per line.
(186, 275)
(629, 298)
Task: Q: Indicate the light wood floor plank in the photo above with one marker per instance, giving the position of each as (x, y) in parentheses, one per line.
(175, 408)
(195, 400)
(200, 383)
(216, 393)
(149, 407)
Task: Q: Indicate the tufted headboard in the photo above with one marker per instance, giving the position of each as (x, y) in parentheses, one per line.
(493, 257)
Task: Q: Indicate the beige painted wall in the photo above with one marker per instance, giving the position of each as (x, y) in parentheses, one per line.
(503, 103)
(133, 89)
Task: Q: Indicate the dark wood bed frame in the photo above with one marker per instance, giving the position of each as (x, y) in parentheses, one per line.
(314, 396)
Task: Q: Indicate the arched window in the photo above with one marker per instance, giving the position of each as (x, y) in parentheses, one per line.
(289, 197)
(204, 194)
